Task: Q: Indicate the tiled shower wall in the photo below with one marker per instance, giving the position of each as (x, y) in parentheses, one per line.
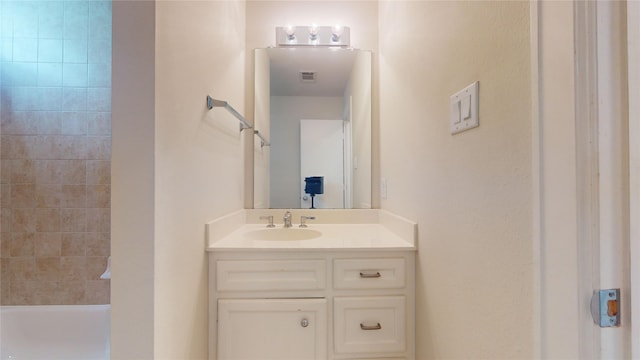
(55, 108)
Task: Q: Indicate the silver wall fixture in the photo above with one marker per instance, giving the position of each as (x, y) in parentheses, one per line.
(244, 123)
(313, 35)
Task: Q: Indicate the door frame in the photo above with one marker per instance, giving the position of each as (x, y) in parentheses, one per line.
(565, 180)
(633, 57)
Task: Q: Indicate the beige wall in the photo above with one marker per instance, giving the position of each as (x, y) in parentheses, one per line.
(132, 196)
(198, 167)
(470, 193)
(170, 150)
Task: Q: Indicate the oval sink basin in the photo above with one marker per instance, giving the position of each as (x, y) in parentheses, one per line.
(283, 234)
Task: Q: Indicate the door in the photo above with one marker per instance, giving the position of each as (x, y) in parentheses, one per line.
(322, 154)
(272, 329)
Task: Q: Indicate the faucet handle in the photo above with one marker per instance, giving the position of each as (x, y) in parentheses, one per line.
(270, 218)
(303, 223)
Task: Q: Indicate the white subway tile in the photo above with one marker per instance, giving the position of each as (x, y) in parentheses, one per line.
(74, 99)
(99, 99)
(99, 75)
(75, 51)
(74, 75)
(50, 50)
(49, 74)
(25, 49)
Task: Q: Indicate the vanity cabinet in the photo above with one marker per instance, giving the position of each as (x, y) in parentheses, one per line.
(311, 305)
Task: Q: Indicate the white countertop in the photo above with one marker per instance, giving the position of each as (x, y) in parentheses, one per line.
(384, 232)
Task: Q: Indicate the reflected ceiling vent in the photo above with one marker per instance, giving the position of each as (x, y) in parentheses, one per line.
(307, 76)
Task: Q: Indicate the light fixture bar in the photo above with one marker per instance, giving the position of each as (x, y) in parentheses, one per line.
(312, 35)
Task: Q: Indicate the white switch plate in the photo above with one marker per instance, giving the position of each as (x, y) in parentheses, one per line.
(457, 122)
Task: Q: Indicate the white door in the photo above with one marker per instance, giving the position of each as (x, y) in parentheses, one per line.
(272, 329)
(322, 154)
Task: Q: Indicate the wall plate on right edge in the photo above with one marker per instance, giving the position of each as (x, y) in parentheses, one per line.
(464, 109)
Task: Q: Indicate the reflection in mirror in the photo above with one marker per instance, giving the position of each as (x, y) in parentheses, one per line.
(314, 104)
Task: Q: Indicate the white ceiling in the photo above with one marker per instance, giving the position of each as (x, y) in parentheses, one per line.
(331, 65)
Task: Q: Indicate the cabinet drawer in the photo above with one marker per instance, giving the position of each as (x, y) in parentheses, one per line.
(368, 273)
(369, 324)
(263, 275)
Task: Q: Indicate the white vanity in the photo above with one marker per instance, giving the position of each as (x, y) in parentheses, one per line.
(342, 288)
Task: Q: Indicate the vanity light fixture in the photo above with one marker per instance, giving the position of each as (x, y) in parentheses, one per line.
(313, 35)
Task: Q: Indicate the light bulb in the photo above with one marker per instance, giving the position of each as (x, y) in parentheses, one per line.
(313, 32)
(336, 33)
(291, 32)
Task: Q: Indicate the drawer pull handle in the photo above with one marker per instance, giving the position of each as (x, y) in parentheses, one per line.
(370, 275)
(304, 323)
(370, 327)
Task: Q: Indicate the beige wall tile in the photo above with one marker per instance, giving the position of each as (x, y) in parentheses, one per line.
(74, 123)
(22, 244)
(98, 220)
(48, 269)
(48, 122)
(6, 219)
(48, 172)
(5, 195)
(5, 169)
(95, 266)
(22, 268)
(23, 171)
(73, 220)
(73, 244)
(72, 292)
(73, 171)
(48, 244)
(5, 245)
(23, 220)
(99, 172)
(98, 291)
(48, 195)
(73, 196)
(99, 123)
(55, 152)
(98, 196)
(99, 148)
(22, 292)
(73, 147)
(73, 268)
(98, 244)
(23, 195)
(47, 219)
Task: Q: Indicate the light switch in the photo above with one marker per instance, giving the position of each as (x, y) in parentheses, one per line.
(464, 109)
(465, 105)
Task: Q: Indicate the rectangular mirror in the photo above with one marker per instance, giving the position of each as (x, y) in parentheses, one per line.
(314, 106)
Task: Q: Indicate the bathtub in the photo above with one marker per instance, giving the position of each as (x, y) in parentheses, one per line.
(70, 332)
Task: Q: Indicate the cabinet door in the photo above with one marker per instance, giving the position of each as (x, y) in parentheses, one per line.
(276, 329)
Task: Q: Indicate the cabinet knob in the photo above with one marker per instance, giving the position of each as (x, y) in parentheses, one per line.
(304, 323)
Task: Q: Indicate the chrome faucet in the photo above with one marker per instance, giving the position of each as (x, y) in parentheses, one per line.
(287, 219)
